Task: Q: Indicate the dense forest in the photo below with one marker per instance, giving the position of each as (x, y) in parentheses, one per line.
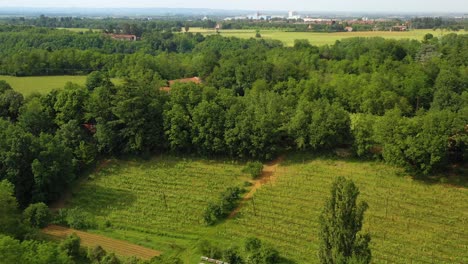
(404, 102)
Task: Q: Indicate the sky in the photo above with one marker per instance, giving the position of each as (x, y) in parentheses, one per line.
(458, 6)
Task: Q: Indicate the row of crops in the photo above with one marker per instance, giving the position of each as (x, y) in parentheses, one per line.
(160, 203)
(409, 221)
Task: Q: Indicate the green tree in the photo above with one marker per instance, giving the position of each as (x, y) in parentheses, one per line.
(71, 245)
(34, 118)
(9, 213)
(341, 239)
(97, 79)
(10, 102)
(70, 104)
(52, 169)
(37, 215)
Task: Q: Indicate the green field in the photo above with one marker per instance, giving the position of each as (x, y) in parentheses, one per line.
(159, 203)
(319, 39)
(80, 29)
(44, 84)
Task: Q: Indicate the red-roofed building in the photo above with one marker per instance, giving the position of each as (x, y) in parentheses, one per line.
(195, 80)
(123, 37)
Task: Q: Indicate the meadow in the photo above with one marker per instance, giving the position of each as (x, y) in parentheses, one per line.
(81, 29)
(318, 38)
(44, 84)
(158, 203)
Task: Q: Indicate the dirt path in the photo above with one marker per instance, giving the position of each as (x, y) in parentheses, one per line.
(268, 175)
(67, 195)
(119, 247)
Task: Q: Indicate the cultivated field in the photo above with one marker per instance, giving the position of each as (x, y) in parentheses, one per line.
(118, 247)
(43, 84)
(319, 39)
(159, 204)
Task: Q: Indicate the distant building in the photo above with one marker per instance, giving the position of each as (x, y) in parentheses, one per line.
(258, 16)
(399, 28)
(319, 21)
(123, 37)
(349, 29)
(205, 18)
(293, 15)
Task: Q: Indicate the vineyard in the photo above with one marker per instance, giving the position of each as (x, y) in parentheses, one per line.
(121, 248)
(159, 204)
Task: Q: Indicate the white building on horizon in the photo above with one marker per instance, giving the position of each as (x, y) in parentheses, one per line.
(293, 15)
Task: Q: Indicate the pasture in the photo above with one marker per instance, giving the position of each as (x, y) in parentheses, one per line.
(158, 203)
(44, 84)
(318, 38)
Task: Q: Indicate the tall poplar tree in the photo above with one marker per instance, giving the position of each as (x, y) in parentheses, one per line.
(340, 224)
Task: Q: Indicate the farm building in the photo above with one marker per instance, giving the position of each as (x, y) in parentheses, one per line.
(349, 29)
(196, 80)
(399, 28)
(123, 37)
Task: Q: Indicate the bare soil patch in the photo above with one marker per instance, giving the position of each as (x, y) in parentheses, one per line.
(269, 175)
(119, 247)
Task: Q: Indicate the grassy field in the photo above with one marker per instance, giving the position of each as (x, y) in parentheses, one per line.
(44, 84)
(80, 29)
(319, 39)
(159, 203)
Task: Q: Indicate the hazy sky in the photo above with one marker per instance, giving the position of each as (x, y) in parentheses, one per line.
(309, 5)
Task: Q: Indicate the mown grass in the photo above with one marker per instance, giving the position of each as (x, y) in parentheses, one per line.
(44, 84)
(409, 220)
(320, 39)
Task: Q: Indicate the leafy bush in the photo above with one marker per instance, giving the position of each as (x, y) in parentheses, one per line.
(71, 245)
(37, 215)
(215, 211)
(75, 218)
(254, 169)
(78, 219)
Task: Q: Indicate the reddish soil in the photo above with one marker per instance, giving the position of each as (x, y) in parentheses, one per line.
(269, 175)
(119, 247)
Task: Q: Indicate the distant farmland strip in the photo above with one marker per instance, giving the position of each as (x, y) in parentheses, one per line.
(119, 247)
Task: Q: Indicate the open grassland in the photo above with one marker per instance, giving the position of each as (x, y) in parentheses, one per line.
(44, 84)
(159, 204)
(80, 29)
(119, 247)
(320, 39)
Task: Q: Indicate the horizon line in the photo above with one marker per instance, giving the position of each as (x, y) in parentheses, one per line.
(231, 9)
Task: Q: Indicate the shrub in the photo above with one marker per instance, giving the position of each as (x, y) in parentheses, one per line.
(215, 211)
(71, 245)
(254, 169)
(96, 254)
(75, 218)
(37, 215)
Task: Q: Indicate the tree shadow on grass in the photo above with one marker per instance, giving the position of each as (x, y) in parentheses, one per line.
(454, 176)
(101, 201)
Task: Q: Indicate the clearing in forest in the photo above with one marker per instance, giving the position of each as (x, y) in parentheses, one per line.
(44, 84)
(160, 203)
(321, 38)
(118, 247)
